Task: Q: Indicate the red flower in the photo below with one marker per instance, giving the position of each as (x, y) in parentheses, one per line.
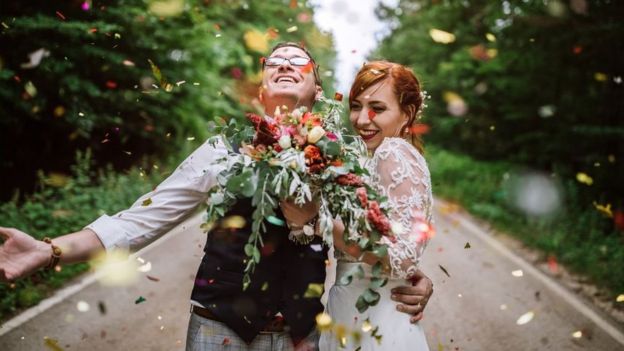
(314, 159)
(266, 133)
(312, 152)
(378, 218)
(310, 119)
(331, 136)
(349, 180)
(362, 196)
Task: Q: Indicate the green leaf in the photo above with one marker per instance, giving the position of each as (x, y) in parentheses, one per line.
(381, 250)
(378, 282)
(249, 249)
(377, 269)
(256, 255)
(332, 148)
(371, 296)
(361, 304)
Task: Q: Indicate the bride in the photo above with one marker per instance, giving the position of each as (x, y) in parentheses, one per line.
(384, 101)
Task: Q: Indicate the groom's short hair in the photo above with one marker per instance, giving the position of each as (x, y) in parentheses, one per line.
(317, 77)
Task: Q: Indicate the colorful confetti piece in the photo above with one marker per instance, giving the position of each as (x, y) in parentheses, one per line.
(444, 270)
(147, 202)
(139, 300)
(517, 273)
(525, 318)
(584, 178)
(440, 36)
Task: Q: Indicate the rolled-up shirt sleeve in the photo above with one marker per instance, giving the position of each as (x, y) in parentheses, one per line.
(172, 201)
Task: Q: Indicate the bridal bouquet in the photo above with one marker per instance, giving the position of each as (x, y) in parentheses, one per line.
(301, 156)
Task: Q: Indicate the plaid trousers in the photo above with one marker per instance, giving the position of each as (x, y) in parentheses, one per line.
(209, 335)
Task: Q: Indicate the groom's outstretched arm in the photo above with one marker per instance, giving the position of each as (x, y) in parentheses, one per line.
(413, 298)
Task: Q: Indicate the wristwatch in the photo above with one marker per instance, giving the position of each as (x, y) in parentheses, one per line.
(303, 235)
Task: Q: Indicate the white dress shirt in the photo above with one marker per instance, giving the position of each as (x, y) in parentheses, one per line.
(172, 201)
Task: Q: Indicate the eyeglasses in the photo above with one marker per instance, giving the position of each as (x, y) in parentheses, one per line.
(278, 61)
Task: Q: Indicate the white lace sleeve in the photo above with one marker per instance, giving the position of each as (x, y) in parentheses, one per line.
(400, 173)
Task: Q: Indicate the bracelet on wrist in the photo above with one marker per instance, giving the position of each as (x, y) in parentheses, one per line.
(55, 256)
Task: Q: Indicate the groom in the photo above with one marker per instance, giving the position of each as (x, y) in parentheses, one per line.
(272, 313)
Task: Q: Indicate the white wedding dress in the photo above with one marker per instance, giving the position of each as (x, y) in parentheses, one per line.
(399, 172)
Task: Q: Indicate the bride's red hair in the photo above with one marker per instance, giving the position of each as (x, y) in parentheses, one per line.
(406, 88)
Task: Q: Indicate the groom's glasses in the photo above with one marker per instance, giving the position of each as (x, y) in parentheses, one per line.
(278, 61)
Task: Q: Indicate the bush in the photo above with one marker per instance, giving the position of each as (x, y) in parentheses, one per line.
(67, 204)
(578, 236)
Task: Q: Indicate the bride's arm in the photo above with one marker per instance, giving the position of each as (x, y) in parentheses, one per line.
(402, 176)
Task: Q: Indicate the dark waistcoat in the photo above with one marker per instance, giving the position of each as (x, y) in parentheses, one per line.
(278, 283)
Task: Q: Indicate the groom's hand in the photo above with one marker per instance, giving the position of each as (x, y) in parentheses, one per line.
(414, 298)
(298, 216)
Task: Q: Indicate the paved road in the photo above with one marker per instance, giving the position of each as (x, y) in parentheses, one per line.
(476, 308)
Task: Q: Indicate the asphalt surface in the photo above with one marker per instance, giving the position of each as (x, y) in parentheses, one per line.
(477, 306)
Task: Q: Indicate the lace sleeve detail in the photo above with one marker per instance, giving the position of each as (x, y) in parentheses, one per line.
(400, 173)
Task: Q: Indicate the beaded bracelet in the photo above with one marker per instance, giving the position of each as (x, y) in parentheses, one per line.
(56, 254)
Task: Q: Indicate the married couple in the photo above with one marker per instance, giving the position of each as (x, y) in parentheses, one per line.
(273, 313)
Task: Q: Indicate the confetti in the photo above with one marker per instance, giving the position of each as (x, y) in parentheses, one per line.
(145, 268)
(233, 222)
(367, 326)
(525, 318)
(139, 300)
(313, 291)
(307, 68)
(552, 264)
(293, 4)
(444, 270)
(35, 58)
(600, 77)
(83, 306)
(152, 278)
(577, 49)
(419, 129)
(257, 41)
(606, 210)
(371, 114)
(102, 307)
(190, 138)
(59, 111)
(111, 84)
(577, 334)
(291, 29)
(584, 178)
(166, 8)
(338, 96)
(467, 246)
(52, 344)
(490, 37)
(115, 269)
(276, 221)
(127, 63)
(517, 273)
(226, 341)
(456, 106)
(323, 321)
(440, 36)
(85, 6)
(60, 15)
(147, 202)
(30, 89)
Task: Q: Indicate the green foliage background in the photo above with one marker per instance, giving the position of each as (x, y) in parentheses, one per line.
(98, 73)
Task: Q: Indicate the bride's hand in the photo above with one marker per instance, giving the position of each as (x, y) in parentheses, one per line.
(414, 298)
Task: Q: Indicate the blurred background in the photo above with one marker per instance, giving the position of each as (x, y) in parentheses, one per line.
(100, 100)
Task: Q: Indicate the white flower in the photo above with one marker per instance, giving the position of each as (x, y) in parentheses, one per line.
(285, 141)
(397, 228)
(315, 134)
